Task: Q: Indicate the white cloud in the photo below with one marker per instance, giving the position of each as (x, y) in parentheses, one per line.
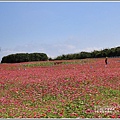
(8, 51)
(90, 49)
(52, 50)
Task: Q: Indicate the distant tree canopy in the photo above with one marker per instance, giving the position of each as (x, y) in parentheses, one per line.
(112, 52)
(24, 57)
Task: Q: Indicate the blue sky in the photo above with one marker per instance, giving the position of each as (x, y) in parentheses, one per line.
(57, 28)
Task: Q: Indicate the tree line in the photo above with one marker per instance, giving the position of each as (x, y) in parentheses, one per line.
(24, 57)
(112, 52)
(28, 57)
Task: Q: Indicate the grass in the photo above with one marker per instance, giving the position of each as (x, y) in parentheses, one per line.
(62, 93)
(51, 63)
(51, 106)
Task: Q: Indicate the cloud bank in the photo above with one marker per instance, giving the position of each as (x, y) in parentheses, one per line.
(52, 50)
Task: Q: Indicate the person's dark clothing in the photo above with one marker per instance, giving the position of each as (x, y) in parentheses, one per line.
(106, 61)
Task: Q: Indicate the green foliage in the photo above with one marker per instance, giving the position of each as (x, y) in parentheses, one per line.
(113, 52)
(39, 64)
(24, 57)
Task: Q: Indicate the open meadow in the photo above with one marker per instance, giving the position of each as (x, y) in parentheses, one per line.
(85, 88)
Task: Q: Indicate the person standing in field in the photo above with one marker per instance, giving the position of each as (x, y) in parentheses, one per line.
(106, 60)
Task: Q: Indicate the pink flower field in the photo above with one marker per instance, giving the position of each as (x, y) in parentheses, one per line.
(73, 89)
